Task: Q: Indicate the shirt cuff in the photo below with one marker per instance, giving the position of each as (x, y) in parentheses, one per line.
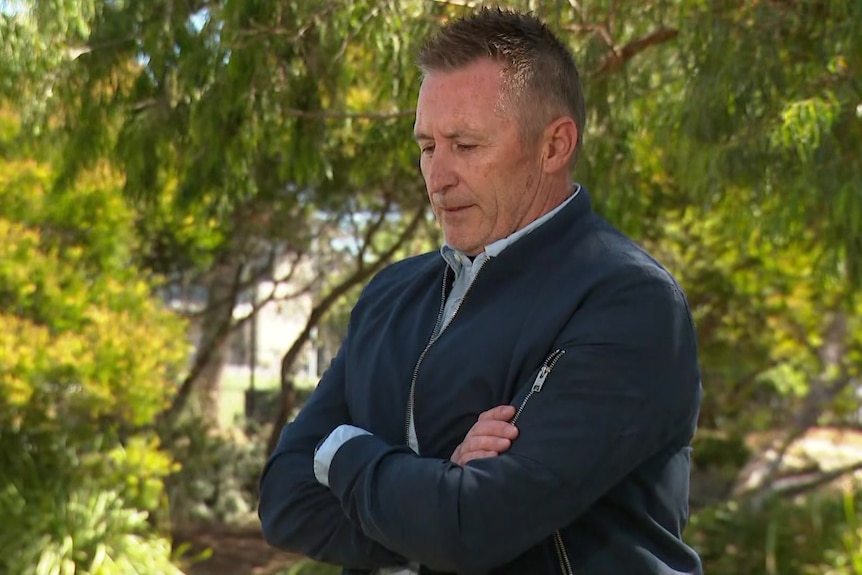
(325, 453)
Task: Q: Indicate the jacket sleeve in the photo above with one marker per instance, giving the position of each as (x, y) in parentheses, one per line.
(296, 512)
(626, 386)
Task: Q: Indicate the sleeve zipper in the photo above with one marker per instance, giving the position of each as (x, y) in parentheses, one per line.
(538, 383)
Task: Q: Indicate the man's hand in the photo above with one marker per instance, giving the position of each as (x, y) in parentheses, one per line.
(491, 435)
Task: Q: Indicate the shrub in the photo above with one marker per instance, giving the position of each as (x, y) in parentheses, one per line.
(815, 535)
(88, 358)
(218, 472)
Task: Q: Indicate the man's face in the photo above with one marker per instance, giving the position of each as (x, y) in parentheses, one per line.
(482, 178)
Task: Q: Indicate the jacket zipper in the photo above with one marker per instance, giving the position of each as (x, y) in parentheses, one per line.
(411, 398)
(538, 383)
(562, 556)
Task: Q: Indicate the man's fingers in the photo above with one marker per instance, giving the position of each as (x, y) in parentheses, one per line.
(477, 447)
(491, 435)
(499, 413)
(457, 456)
(488, 435)
(485, 443)
(493, 428)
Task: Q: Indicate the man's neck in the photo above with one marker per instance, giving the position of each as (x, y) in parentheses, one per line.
(494, 248)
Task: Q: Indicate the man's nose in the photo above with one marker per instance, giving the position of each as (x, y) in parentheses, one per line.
(440, 173)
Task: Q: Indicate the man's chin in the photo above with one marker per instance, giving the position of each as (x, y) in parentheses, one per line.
(467, 248)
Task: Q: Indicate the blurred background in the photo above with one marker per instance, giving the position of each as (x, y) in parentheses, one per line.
(192, 193)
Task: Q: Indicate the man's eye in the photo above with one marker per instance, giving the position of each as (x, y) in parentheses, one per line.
(425, 150)
(466, 147)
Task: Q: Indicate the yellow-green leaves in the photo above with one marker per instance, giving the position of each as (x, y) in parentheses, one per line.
(88, 358)
(83, 338)
(805, 124)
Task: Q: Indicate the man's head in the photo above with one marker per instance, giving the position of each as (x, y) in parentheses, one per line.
(498, 123)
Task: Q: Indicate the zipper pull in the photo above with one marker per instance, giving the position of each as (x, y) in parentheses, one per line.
(540, 379)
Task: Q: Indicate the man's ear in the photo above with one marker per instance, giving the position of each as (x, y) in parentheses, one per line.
(559, 143)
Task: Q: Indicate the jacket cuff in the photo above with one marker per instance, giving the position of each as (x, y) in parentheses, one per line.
(325, 452)
(349, 464)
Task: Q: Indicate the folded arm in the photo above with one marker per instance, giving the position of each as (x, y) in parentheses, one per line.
(297, 513)
(624, 388)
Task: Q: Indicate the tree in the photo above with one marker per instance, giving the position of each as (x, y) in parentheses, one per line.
(772, 105)
(235, 126)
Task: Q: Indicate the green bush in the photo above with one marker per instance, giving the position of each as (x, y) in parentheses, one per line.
(847, 560)
(816, 535)
(217, 474)
(88, 359)
(69, 508)
(78, 530)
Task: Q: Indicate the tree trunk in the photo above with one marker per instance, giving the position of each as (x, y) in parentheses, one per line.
(215, 335)
(202, 383)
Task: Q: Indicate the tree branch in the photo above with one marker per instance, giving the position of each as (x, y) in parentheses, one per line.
(459, 3)
(371, 231)
(344, 115)
(800, 484)
(616, 58)
(612, 15)
(820, 393)
(244, 284)
(744, 382)
(358, 276)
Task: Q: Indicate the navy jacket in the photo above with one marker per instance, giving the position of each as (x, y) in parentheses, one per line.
(575, 324)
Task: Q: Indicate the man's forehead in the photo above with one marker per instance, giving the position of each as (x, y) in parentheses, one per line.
(459, 123)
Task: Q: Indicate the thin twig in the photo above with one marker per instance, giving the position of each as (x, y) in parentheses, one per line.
(616, 58)
(344, 115)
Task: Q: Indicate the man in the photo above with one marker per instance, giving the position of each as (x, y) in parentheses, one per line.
(523, 404)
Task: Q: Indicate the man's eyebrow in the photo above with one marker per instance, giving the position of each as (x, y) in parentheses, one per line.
(449, 135)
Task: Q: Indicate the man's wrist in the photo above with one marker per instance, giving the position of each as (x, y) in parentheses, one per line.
(326, 450)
